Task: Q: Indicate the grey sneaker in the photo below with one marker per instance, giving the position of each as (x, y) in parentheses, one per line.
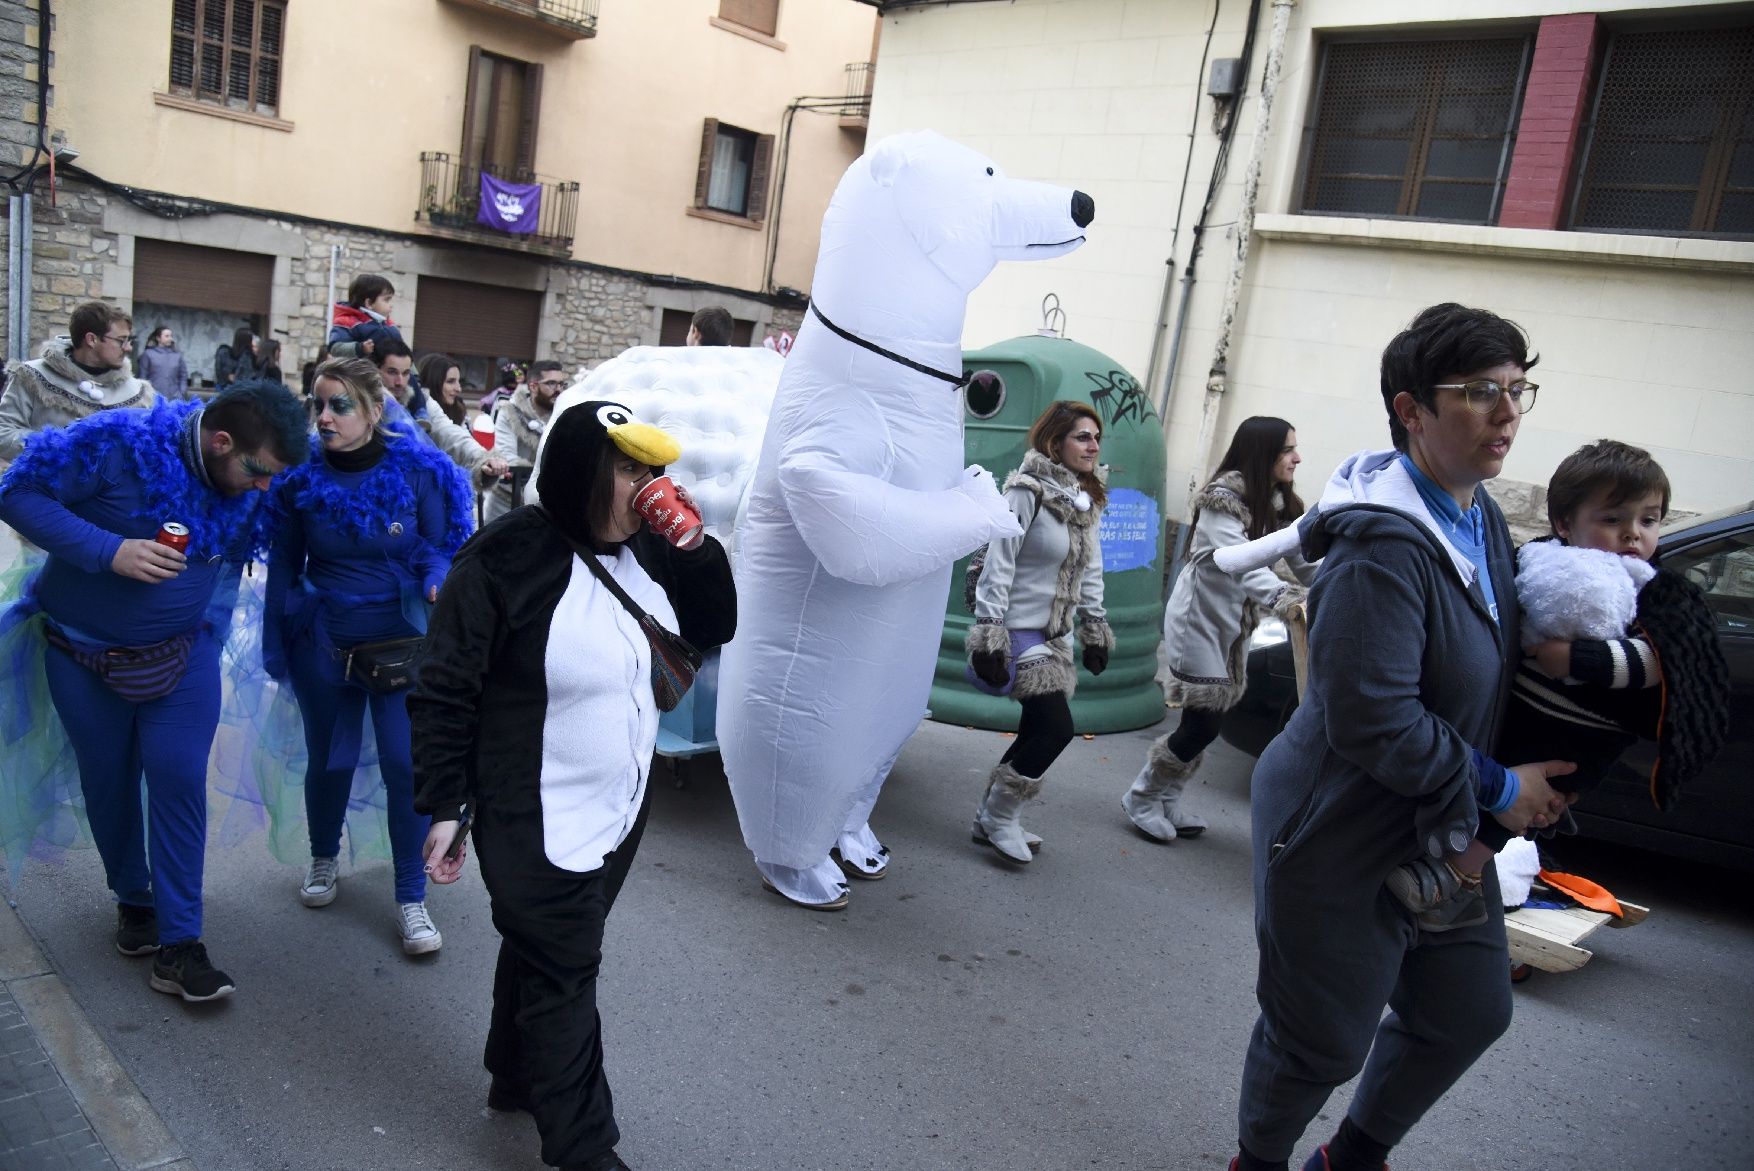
(322, 881)
(419, 936)
(1439, 897)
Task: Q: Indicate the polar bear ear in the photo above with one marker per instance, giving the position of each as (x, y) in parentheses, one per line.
(887, 161)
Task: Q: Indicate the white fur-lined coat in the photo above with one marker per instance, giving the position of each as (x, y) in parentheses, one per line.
(1211, 614)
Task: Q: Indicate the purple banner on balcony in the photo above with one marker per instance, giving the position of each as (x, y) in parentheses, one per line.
(509, 207)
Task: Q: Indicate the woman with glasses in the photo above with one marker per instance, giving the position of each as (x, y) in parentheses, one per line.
(535, 717)
(362, 535)
(1211, 615)
(1032, 589)
(518, 424)
(77, 375)
(1413, 647)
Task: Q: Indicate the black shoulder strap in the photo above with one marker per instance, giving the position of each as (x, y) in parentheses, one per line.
(596, 567)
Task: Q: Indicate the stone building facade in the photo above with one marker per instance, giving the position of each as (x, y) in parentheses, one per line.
(85, 243)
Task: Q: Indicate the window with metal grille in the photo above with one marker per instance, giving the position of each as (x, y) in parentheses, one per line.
(1420, 129)
(1670, 143)
(228, 52)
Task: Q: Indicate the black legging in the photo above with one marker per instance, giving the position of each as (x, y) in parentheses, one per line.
(1199, 727)
(1043, 731)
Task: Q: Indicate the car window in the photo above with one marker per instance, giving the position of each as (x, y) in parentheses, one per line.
(1724, 569)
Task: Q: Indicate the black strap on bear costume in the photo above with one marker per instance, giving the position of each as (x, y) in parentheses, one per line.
(956, 380)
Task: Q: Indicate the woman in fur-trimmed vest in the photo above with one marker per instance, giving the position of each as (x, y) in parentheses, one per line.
(1211, 615)
(1030, 590)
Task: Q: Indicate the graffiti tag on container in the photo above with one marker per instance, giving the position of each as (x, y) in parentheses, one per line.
(1117, 396)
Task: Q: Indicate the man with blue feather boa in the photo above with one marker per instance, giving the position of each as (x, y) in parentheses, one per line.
(134, 629)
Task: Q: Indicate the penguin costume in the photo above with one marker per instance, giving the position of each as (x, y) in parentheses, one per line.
(534, 713)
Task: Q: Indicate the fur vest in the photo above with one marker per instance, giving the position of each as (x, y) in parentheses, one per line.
(1049, 493)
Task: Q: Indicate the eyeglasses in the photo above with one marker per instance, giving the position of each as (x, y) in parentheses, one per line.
(1086, 436)
(126, 339)
(1482, 394)
(552, 384)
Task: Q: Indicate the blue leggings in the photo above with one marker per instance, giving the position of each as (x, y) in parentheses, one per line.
(333, 712)
(166, 741)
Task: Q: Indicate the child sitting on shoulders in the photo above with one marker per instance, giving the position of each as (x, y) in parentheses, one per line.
(363, 318)
(1618, 650)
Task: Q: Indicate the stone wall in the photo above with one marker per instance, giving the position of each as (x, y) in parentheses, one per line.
(595, 315)
(18, 105)
(70, 250)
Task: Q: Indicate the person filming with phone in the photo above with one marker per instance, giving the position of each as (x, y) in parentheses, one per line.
(567, 613)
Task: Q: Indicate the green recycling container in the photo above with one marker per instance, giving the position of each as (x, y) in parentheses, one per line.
(1013, 382)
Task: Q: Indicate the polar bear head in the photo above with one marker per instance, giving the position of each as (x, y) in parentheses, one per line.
(955, 207)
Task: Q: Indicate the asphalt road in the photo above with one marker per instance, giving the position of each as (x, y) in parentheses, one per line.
(1090, 1010)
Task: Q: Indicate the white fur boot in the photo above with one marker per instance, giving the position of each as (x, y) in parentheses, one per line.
(1154, 801)
(998, 817)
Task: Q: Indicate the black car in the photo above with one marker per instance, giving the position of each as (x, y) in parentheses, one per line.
(1714, 820)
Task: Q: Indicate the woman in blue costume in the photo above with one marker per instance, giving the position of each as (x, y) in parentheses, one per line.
(362, 536)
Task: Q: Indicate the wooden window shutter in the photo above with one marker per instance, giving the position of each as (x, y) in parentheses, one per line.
(709, 135)
(466, 319)
(527, 124)
(761, 15)
(759, 169)
(469, 103)
(195, 277)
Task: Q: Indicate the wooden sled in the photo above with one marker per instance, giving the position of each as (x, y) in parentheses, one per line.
(1547, 939)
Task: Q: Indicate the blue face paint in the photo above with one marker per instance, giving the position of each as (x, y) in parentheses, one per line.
(339, 405)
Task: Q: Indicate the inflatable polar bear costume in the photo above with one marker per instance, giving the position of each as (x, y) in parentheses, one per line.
(861, 502)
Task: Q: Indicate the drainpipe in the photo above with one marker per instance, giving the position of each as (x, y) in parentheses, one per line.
(1217, 379)
(329, 305)
(19, 224)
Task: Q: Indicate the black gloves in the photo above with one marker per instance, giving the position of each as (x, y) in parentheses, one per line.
(990, 667)
(1096, 659)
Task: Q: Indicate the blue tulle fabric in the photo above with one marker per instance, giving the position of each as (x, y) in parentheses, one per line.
(42, 810)
(259, 758)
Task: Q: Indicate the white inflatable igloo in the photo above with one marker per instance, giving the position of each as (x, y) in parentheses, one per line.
(714, 400)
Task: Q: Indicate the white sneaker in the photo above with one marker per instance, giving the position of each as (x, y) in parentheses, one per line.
(321, 882)
(419, 936)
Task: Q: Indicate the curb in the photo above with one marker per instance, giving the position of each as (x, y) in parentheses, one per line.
(124, 1122)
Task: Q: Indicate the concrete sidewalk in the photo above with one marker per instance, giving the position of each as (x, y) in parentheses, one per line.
(65, 1104)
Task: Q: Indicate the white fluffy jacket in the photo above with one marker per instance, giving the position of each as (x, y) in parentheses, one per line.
(1572, 593)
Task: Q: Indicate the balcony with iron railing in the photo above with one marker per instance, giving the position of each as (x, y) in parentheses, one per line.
(861, 76)
(573, 19)
(450, 202)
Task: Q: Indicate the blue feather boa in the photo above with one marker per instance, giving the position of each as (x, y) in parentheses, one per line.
(365, 510)
(219, 526)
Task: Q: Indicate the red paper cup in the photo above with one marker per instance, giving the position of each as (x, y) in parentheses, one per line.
(665, 512)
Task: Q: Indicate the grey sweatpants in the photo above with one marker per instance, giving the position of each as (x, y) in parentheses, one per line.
(1329, 964)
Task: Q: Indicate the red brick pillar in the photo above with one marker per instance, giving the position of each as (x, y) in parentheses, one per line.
(1561, 80)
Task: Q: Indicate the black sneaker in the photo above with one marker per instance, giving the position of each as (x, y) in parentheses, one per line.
(136, 930)
(182, 969)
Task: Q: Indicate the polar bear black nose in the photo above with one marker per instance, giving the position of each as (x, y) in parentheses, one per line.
(1083, 209)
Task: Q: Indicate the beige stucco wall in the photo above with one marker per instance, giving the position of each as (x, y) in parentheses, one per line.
(368, 86)
(1641, 339)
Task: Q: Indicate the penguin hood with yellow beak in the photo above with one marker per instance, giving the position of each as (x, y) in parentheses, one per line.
(576, 443)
